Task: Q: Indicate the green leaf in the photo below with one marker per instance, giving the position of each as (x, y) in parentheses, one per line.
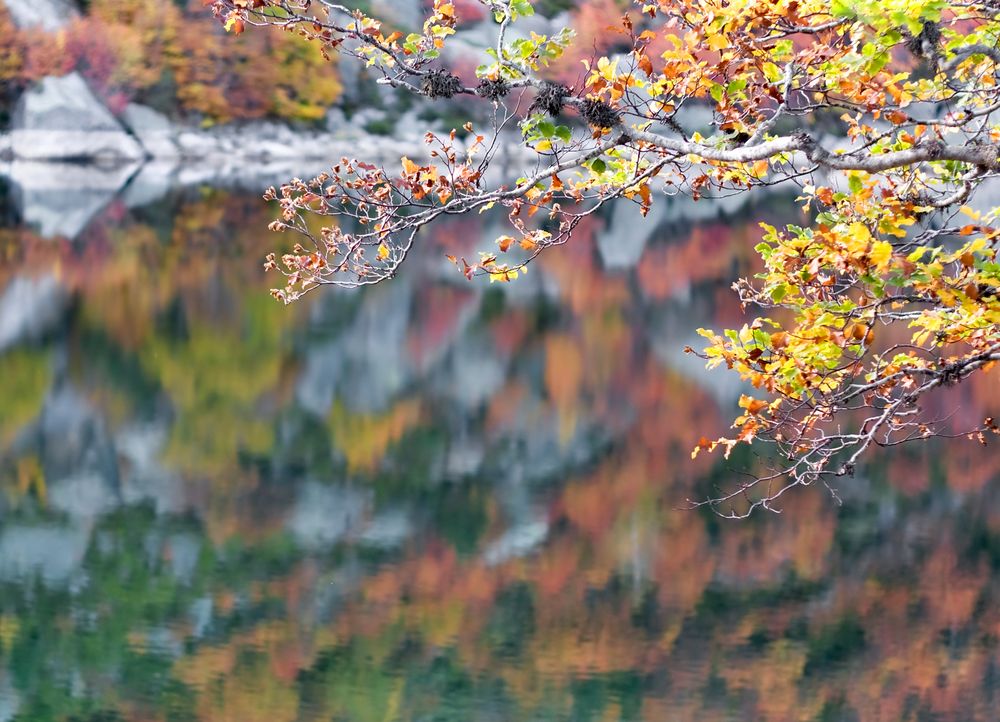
(563, 133)
(546, 128)
(855, 183)
(598, 166)
(842, 9)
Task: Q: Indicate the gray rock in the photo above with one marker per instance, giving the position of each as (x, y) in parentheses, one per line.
(48, 15)
(335, 121)
(153, 129)
(60, 118)
(196, 144)
(408, 13)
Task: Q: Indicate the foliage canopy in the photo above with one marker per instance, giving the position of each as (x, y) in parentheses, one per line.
(890, 291)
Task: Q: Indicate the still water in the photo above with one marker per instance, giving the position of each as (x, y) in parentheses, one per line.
(435, 500)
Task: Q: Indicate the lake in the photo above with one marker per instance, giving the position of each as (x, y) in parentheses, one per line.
(442, 500)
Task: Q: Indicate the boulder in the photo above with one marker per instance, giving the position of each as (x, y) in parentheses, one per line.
(60, 118)
(153, 129)
(48, 15)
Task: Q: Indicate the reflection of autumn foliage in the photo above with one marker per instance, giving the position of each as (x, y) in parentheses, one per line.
(26, 377)
(629, 608)
(170, 56)
(365, 439)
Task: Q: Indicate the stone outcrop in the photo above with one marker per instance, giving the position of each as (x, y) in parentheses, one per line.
(61, 119)
(153, 129)
(47, 15)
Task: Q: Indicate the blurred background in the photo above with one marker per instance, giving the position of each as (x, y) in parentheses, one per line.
(427, 500)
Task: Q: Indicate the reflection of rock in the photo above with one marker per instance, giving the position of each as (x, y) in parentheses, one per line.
(475, 371)
(60, 199)
(621, 244)
(48, 15)
(323, 515)
(85, 495)
(81, 465)
(200, 615)
(29, 307)
(54, 553)
(388, 529)
(59, 118)
(10, 700)
(153, 181)
(184, 550)
(143, 477)
(517, 541)
(677, 327)
(377, 367)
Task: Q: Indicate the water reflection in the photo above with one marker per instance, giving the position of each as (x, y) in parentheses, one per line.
(441, 500)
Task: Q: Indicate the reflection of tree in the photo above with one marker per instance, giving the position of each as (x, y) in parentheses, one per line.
(215, 378)
(26, 378)
(625, 608)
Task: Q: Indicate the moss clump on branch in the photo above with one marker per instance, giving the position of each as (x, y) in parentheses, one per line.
(441, 84)
(494, 90)
(550, 99)
(599, 114)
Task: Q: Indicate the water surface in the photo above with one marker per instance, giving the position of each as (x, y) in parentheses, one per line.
(435, 500)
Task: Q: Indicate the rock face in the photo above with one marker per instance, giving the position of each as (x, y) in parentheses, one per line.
(48, 15)
(153, 129)
(59, 118)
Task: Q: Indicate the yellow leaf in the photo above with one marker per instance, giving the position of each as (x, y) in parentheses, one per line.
(880, 254)
(718, 42)
(859, 231)
(383, 251)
